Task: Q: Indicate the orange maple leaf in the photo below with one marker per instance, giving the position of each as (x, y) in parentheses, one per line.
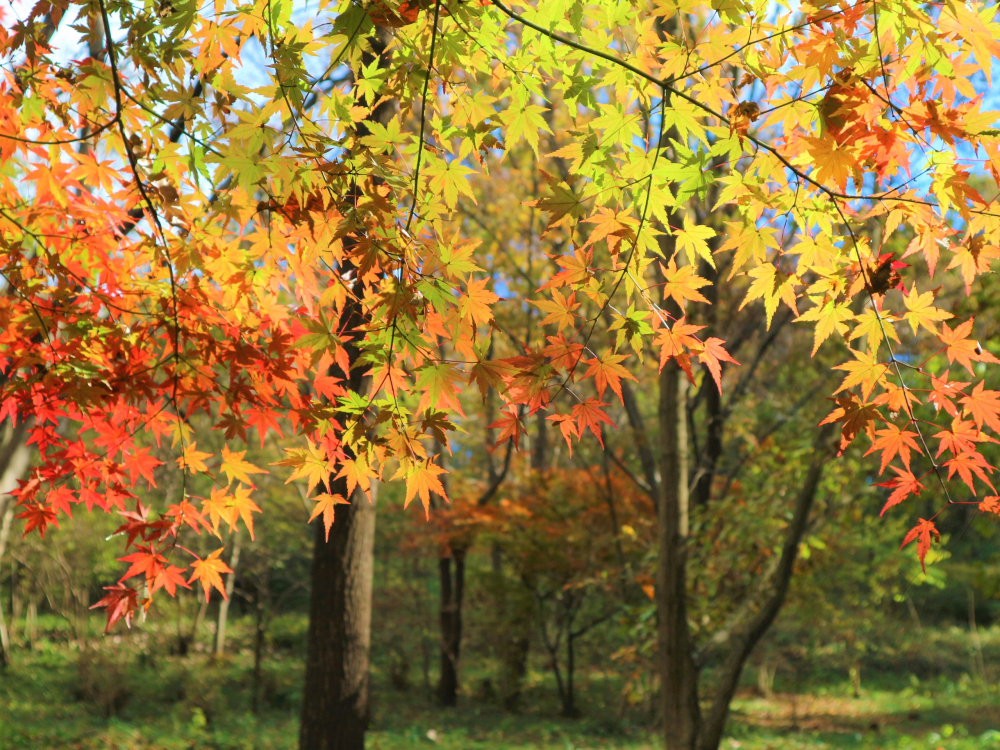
(922, 533)
(326, 504)
(209, 572)
(608, 373)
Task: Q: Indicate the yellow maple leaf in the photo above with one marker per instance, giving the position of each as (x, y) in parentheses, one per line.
(193, 459)
(235, 467)
(682, 284)
(772, 286)
(241, 506)
(921, 311)
(325, 504)
(865, 371)
(422, 479)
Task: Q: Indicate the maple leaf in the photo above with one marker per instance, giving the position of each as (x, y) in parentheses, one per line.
(358, 473)
(310, 463)
(903, 485)
(834, 161)
(591, 415)
(712, 355)
(875, 325)
(922, 533)
(607, 372)
(961, 438)
(829, 317)
(437, 384)
(967, 464)
(215, 507)
(944, 391)
(139, 462)
(169, 578)
(568, 428)
(773, 287)
(984, 406)
(990, 504)
(562, 205)
(193, 459)
(676, 341)
(510, 427)
(325, 505)
(692, 240)
(121, 602)
(489, 374)
(560, 309)
(144, 561)
(856, 416)
(235, 467)
(209, 572)
(422, 479)
(920, 311)
(475, 303)
(865, 371)
(961, 348)
(682, 284)
(37, 516)
(893, 441)
(241, 506)
(576, 269)
(612, 226)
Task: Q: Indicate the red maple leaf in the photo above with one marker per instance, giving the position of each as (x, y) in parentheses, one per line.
(120, 601)
(902, 486)
(922, 533)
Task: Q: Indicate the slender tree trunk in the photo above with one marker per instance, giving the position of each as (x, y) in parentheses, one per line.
(569, 704)
(760, 616)
(8, 518)
(14, 460)
(678, 673)
(452, 576)
(335, 706)
(234, 561)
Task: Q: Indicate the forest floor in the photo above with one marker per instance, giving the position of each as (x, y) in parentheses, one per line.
(58, 698)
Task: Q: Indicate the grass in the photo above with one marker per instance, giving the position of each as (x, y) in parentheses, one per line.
(130, 696)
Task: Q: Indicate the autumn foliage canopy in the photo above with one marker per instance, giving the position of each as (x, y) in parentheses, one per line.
(226, 210)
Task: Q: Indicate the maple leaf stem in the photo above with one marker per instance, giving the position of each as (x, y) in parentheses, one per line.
(423, 118)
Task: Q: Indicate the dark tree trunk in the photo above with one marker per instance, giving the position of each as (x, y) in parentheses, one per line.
(678, 673)
(452, 574)
(761, 609)
(335, 704)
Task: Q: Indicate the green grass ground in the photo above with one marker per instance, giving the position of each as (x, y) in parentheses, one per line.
(54, 697)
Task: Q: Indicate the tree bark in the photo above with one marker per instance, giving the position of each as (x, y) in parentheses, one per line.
(13, 463)
(452, 576)
(678, 673)
(335, 707)
(220, 632)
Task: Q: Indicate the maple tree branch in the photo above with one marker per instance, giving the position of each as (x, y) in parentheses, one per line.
(423, 117)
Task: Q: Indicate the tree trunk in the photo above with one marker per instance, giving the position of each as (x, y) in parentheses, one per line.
(452, 589)
(13, 463)
(335, 704)
(234, 561)
(762, 608)
(678, 673)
